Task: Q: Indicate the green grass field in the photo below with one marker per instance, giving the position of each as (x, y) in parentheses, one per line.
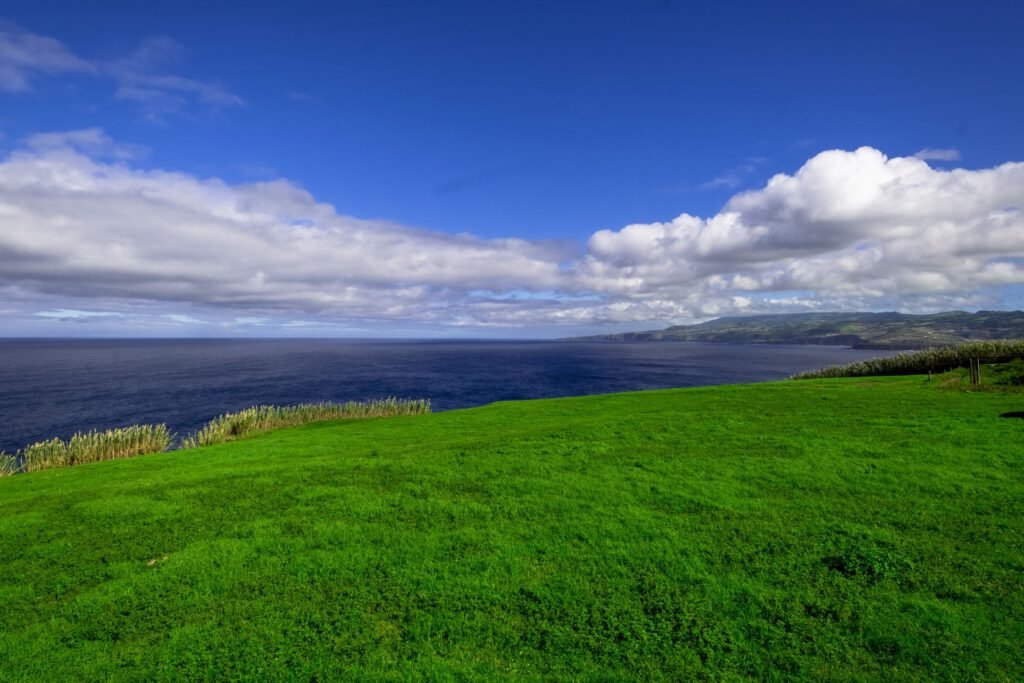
(850, 529)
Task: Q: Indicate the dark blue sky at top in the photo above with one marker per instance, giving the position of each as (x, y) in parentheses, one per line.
(542, 119)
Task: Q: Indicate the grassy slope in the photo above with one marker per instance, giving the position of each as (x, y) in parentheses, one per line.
(836, 529)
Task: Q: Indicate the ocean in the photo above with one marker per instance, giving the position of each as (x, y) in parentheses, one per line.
(57, 387)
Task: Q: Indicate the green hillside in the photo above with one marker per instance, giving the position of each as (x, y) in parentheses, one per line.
(851, 529)
(859, 330)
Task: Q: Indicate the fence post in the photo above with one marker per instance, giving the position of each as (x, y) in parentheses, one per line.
(975, 371)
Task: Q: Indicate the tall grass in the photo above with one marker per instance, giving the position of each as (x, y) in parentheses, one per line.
(928, 360)
(92, 446)
(127, 442)
(8, 465)
(261, 418)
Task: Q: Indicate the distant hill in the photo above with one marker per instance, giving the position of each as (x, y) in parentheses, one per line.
(859, 330)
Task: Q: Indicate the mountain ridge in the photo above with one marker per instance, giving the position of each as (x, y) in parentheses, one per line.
(860, 330)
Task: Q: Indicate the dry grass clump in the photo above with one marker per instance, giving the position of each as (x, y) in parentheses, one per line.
(261, 418)
(936, 360)
(8, 465)
(127, 442)
(92, 446)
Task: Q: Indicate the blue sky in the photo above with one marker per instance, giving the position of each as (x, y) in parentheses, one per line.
(540, 123)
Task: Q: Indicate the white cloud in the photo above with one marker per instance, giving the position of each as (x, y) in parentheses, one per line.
(931, 154)
(728, 180)
(182, 318)
(145, 76)
(735, 176)
(91, 141)
(75, 314)
(24, 56)
(848, 230)
(847, 225)
(75, 226)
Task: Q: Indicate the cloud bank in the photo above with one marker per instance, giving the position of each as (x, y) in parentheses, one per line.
(847, 225)
(84, 228)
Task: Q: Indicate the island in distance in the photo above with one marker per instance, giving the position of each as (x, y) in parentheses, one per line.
(858, 330)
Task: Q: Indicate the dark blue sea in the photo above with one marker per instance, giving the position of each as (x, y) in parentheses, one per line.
(57, 387)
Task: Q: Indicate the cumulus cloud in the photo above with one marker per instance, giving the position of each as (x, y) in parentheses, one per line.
(146, 76)
(847, 224)
(848, 230)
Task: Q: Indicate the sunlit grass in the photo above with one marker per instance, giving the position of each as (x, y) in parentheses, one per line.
(831, 530)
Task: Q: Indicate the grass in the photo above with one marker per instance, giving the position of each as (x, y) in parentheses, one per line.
(995, 377)
(840, 530)
(93, 446)
(234, 426)
(8, 465)
(939, 360)
(1005, 374)
(128, 442)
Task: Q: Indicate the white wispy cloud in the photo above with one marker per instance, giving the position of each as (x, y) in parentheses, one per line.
(729, 180)
(25, 56)
(147, 76)
(735, 176)
(849, 229)
(934, 154)
(75, 314)
(91, 141)
(183, 318)
(144, 76)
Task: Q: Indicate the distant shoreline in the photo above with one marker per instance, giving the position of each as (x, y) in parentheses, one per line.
(858, 331)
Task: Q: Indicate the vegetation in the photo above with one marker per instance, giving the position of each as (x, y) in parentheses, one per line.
(849, 529)
(859, 330)
(1008, 374)
(92, 446)
(936, 360)
(8, 465)
(127, 442)
(262, 418)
